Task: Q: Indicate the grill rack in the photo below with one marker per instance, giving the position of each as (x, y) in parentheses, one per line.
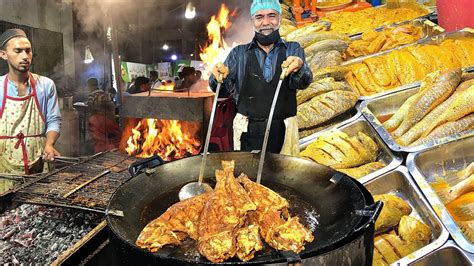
(68, 187)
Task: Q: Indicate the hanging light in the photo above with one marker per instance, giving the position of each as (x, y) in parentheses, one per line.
(165, 47)
(174, 57)
(88, 58)
(190, 12)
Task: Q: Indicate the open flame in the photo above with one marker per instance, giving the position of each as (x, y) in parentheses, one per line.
(170, 139)
(216, 50)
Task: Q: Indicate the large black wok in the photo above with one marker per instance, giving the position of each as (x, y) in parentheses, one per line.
(328, 202)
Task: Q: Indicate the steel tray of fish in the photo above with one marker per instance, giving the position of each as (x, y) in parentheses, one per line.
(448, 254)
(464, 33)
(426, 165)
(430, 13)
(429, 28)
(392, 160)
(350, 116)
(400, 183)
(386, 105)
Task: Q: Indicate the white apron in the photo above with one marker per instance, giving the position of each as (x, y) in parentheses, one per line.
(21, 132)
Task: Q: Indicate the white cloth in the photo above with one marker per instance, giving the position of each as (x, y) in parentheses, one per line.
(291, 143)
(240, 125)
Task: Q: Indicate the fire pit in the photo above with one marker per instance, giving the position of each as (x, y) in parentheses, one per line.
(31, 234)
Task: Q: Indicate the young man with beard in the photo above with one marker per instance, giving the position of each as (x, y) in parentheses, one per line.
(251, 73)
(29, 111)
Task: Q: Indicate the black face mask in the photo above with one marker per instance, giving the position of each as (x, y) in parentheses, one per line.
(267, 39)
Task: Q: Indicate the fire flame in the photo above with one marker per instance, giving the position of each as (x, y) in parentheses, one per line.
(216, 50)
(164, 138)
(166, 87)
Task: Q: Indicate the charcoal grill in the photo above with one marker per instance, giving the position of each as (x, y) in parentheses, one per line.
(86, 185)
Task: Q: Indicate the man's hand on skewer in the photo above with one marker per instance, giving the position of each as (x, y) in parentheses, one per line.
(292, 64)
(220, 72)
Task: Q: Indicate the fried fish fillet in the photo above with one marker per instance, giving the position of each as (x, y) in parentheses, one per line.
(277, 227)
(180, 221)
(218, 223)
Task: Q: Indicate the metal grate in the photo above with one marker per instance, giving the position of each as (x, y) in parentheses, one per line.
(86, 185)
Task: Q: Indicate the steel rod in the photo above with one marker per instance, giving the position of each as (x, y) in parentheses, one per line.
(208, 135)
(86, 183)
(263, 151)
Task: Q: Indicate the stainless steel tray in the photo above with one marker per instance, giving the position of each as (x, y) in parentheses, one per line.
(467, 32)
(430, 11)
(429, 28)
(400, 183)
(426, 165)
(391, 159)
(354, 114)
(389, 104)
(448, 254)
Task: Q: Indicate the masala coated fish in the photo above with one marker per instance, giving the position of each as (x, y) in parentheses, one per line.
(392, 212)
(411, 230)
(277, 227)
(325, 107)
(459, 108)
(363, 170)
(421, 127)
(319, 87)
(337, 150)
(443, 86)
(448, 129)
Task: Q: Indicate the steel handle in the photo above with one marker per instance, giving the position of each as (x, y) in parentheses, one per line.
(263, 151)
(208, 135)
(372, 211)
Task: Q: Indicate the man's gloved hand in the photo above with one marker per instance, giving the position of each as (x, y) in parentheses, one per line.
(220, 72)
(292, 64)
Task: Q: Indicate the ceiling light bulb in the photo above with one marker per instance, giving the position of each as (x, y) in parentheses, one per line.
(88, 58)
(174, 57)
(165, 47)
(190, 12)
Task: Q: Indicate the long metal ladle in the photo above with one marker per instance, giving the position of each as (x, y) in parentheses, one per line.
(267, 129)
(197, 188)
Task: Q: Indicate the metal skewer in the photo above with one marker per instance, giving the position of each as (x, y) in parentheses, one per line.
(196, 188)
(267, 129)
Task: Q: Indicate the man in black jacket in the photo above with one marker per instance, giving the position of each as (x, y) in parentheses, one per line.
(251, 73)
